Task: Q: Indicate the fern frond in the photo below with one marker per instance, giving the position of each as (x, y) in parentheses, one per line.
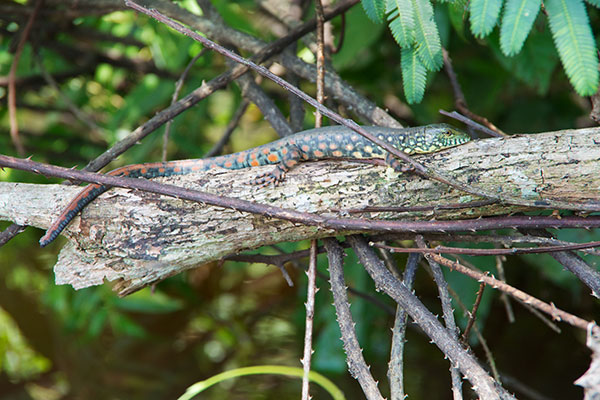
(517, 21)
(595, 3)
(375, 9)
(573, 38)
(402, 23)
(414, 75)
(483, 16)
(427, 38)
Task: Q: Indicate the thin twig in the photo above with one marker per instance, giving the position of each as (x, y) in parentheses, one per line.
(505, 240)
(504, 297)
(574, 263)
(482, 383)
(550, 309)
(473, 314)
(396, 364)
(233, 123)
(459, 98)
(340, 44)
(311, 288)
(76, 111)
(455, 206)
(542, 317)
(357, 366)
(469, 122)
(488, 252)
(486, 349)
(310, 317)
(12, 90)
(531, 309)
(10, 232)
(178, 87)
(253, 92)
(320, 60)
(448, 314)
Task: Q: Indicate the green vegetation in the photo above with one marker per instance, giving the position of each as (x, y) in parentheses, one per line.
(112, 69)
(413, 25)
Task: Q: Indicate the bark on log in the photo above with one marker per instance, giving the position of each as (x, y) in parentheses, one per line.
(141, 238)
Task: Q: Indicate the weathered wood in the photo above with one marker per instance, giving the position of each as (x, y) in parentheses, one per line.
(142, 237)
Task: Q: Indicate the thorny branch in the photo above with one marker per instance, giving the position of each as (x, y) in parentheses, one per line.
(396, 364)
(357, 366)
(448, 314)
(550, 309)
(482, 383)
(311, 286)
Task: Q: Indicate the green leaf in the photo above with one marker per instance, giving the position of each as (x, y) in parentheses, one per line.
(534, 64)
(442, 20)
(573, 38)
(145, 301)
(517, 21)
(375, 9)
(595, 3)
(427, 38)
(457, 11)
(414, 75)
(484, 14)
(361, 35)
(402, 23)
(198, 387)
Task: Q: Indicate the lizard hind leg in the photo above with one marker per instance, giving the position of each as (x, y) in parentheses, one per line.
(285, 159)
(276, 176)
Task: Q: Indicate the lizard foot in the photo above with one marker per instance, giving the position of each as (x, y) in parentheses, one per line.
(274, 177)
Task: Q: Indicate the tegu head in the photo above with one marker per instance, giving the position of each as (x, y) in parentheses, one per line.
(438, 137)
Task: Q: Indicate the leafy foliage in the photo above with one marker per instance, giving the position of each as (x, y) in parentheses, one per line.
(375, 9)
(517, 21)
(401, 17)
(575, 43)
(483, 16)
(535, 63)
(69, 344)
(413, 26)
(414, 75)
(427, 38)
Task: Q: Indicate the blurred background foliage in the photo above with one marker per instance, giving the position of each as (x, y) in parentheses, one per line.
(119, 69)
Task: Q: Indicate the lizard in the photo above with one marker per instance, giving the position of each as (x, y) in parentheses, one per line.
(333, 142)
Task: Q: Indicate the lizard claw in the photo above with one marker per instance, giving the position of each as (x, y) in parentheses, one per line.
(274, 177)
